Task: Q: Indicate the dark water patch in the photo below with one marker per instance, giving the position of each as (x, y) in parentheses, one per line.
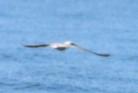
(50, 87)
(66, 88)
(132, 58)
(125, 80)
(31, 86)
(8, 57)
(6, 84)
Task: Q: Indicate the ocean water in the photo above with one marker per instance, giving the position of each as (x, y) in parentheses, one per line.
(106, 26)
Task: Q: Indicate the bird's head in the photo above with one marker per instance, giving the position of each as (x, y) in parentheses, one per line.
(70, 43)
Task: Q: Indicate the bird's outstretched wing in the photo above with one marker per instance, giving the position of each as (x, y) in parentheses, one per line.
(37, 46)
(84, 49)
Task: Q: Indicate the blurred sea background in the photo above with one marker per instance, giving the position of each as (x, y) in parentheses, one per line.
(105, 26)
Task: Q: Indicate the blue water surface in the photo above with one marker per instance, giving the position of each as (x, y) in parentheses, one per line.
(106, 26)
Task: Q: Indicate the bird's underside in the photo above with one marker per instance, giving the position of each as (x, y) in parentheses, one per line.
(61, 49)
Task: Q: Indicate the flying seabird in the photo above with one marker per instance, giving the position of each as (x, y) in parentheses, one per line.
(64, 46)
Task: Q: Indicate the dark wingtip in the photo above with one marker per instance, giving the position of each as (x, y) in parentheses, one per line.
(25, 45)
(105, 55)
(29, 46)
(36, 46)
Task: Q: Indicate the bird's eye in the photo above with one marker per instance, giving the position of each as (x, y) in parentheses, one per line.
(73, 44)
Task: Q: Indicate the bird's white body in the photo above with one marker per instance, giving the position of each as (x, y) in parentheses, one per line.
(66, 44)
